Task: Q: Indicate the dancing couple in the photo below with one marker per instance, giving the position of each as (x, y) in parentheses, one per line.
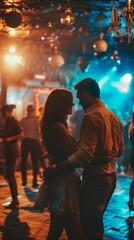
(76, 206)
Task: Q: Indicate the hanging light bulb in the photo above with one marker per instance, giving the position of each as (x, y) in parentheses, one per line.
(67, 18)
(100, 45)
(56, 60)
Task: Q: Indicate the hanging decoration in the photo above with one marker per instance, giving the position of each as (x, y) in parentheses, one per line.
(13, 19)
(117, 27)
(83, 63)
(67, 18)
(100, 45)
(56, 60)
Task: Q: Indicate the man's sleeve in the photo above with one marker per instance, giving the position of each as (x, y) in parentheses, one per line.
(121, 148)
(88, 141)
(17, 127)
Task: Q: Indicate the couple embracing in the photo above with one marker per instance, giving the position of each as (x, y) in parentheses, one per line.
(76, 206)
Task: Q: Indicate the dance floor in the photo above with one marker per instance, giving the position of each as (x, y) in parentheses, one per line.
(29, 224)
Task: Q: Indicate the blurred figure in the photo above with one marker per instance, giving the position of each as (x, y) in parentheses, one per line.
(30, 144)
(131, 135)
(76, 121)
(127, 143)
(11, 133)
(2, 157)
(41, 110)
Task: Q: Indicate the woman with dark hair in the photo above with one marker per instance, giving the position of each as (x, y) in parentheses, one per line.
(131, 136)
(63, 192)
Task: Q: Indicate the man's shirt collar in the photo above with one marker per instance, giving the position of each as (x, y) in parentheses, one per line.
(96, 105)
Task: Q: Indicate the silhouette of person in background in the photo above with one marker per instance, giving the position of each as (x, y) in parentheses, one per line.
(76, 120)
(64, 191)
(11, 133)
(126, 158)
(2, 157)
(131, 136)
(30, 144)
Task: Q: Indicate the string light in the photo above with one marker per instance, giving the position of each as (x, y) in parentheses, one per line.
(67, 18)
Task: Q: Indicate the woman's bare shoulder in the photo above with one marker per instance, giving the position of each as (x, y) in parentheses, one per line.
(58, 128)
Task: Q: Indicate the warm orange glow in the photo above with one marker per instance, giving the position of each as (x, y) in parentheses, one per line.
(39, 76)
(12, 32)
(12, 49)
(129, 4)
(68, 17)
(13, 60)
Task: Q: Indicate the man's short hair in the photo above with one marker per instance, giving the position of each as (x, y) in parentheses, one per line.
(7, 107)
(89, 85)
(30, 108)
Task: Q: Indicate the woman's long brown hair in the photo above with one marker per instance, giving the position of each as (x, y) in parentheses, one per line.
(55, 110)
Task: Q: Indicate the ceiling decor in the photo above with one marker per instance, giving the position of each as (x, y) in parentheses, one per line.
(13, 19)
(122, 27)
(67, 18)
(100, 45)
(41, 26)
(83, 63)
(56, 60)
(37, 16)
(116, 57)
